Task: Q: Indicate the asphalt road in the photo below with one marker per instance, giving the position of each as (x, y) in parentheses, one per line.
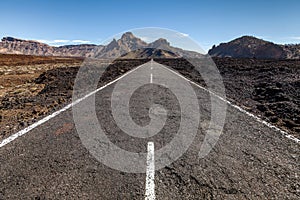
(249, 161)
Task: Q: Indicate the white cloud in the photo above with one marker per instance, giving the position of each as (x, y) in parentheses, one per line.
(61, 41)
(183, 34)
(81, 41)
(146, 39)
(58, 42)
(43, 41)
(53, 41)
(295, 38)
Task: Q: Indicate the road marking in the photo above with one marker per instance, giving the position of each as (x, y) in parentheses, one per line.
(150, 166)
(150, 172)
(47, 118)
(151, 62)
(287, 135)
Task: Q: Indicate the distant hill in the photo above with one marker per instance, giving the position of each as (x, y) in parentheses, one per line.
(115, 49)
(10, 45)
(251, 47)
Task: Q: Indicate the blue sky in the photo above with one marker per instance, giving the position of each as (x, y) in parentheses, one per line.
(207, 22)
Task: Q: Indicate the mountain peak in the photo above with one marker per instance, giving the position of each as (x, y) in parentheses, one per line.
(113, 44)
(250, 39)
(128, 35)
(160, 43)
(129, 39)
(163, 40)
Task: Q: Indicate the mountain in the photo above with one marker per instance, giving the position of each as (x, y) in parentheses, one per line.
(165, 45)
(131, 46)
(248, 47)
(10, 45)
(116, 48)
(251, 47)
(149, 53)
(82, 50)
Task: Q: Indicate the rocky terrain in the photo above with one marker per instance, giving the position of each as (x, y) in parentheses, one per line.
(267, 88)
(17, 85)
(116, 48)
(251, 47)
(41, 85)
(250, 160)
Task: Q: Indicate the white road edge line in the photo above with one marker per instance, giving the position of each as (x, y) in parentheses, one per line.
(287, 135)
(150, 172)
(47, 118)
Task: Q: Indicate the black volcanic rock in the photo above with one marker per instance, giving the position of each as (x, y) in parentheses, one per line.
(292, 51)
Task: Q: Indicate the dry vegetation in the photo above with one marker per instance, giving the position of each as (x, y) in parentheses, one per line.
(41, 85)
(17, 81)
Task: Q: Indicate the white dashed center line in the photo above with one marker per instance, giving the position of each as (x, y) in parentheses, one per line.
(150, 167)
(150, 172)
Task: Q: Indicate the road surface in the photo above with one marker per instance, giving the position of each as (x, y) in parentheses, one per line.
(249, 161)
